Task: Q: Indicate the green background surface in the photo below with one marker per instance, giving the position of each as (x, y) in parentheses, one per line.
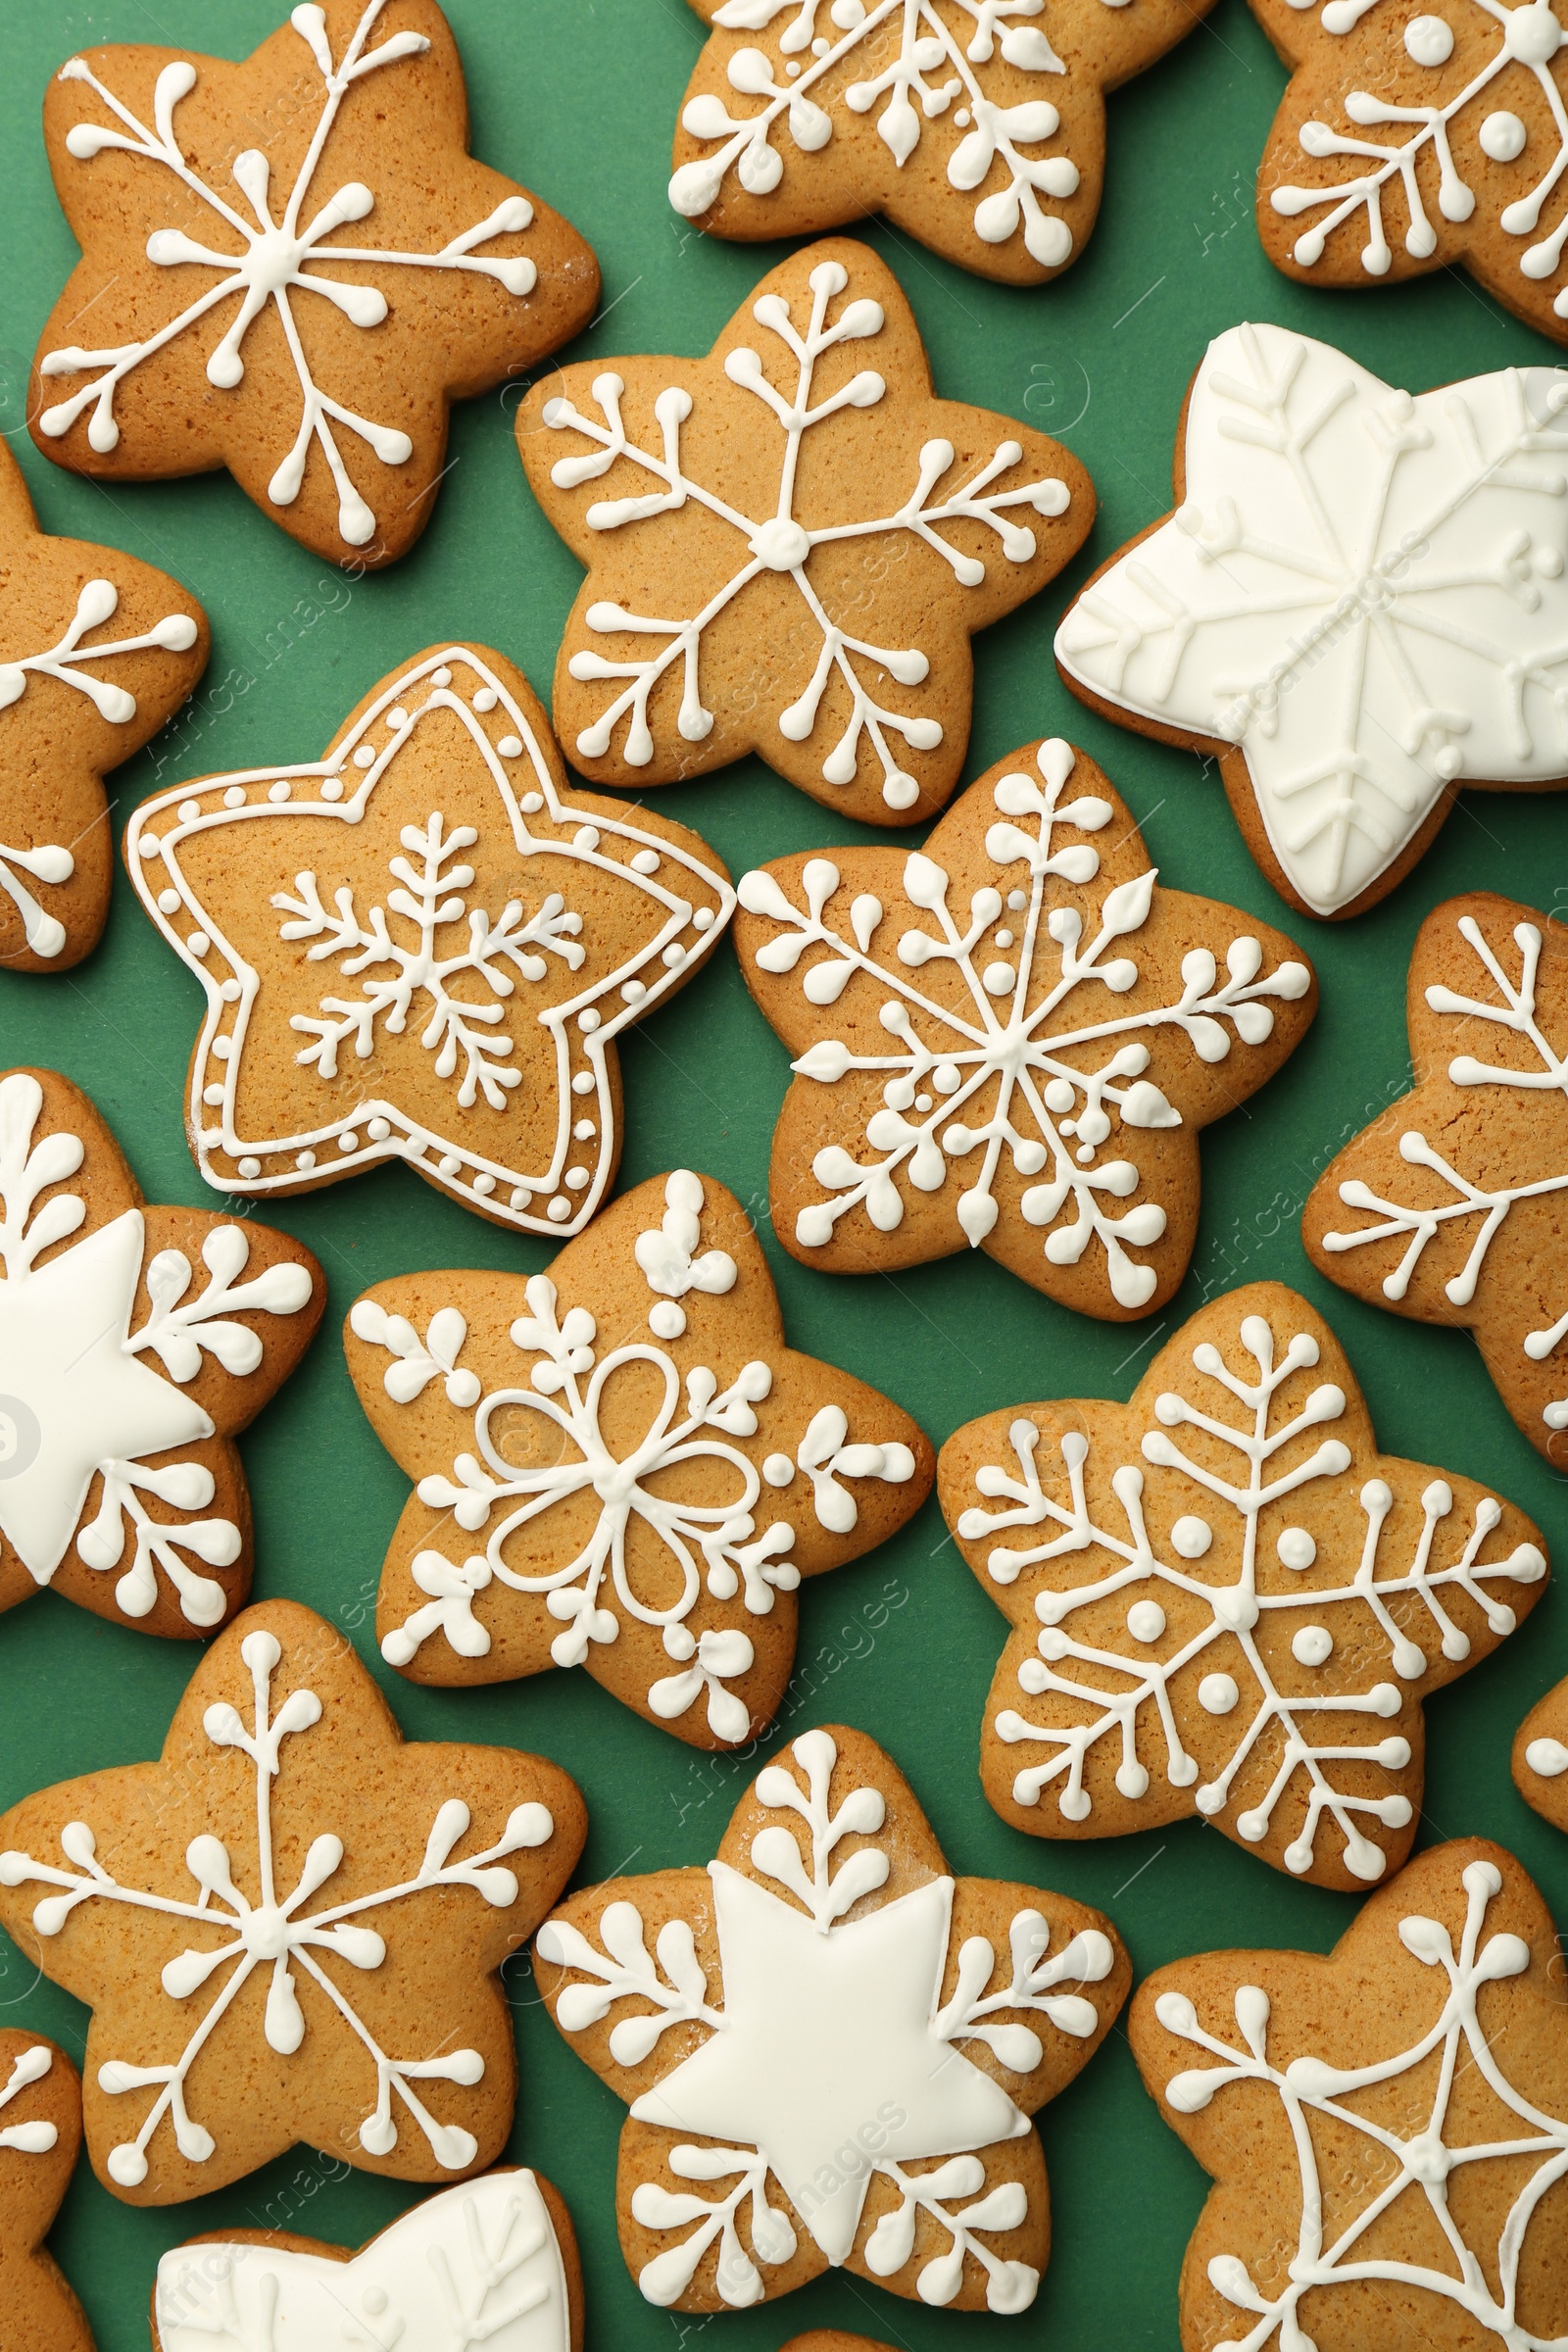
(577, 98)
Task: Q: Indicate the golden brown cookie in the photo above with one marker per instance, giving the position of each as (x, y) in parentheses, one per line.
(621, 1466)
(833, 2340)
(1411, 139)
(1387, 2128)
(801, 116)
(1540, 1756)
(135, 1343)
(492, 2263)
(422, 946)
(979, 1061)
(242, 317)
(832, 2051)
(98, 651)
(1224, 1600)
(276, 1929)
(789, 543)
(1452, 1206)
(1359, 602)
(40, 2136)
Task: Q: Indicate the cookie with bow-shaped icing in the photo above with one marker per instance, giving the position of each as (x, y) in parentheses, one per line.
(790, 543)
(40, 2134)
(422, 946)
(1450, 1206)
(97, 652)
(1411, 140)
(492, 2263)
(1009, 1040)
(831, 2046)
(1358, 604)
(287, 1928)
(977, 127)
(135, 1343)
(1224, 1600)
(621, 1465)
(1540, 1756)
(291, 267)
(1385, 2126)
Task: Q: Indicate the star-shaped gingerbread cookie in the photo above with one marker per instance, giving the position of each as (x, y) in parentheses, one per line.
(1009, 1040)
(1224, 1600)
(287, 1928)
(1409, 140)
(833, 2048)
(976, 126)
(40, 2136)
(1387, 2125)
(135, 1343)
(422, 946)
(621, 1466)
(240, 315)
(789, 543)
(1359, 602)
(1450, 1206)
(1540, 1756)
(97, 650)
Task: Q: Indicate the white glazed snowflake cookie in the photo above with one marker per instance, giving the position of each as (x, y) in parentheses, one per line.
(286, 1927)
(1386, 2126)
(135, 1343)
(422, 946)
(831, 2046)
(1009, 1040)
(1360, 603)
(237, 311)
(790, 543)
(976, 126)
(40, 2138)
(1225, 1602)
(492, 2264)
(1411, 138)
(620, 1465)
(1448, 1207)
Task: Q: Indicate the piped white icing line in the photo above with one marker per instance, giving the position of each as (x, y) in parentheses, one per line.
(474, 2267)
(278, 1930)
(37, 2137)
(937, 62)
(1005, 1052)
(1421, 136)
(1112, 1686)
(1363, 590)
(825, 2032)
(96, 604)
(77, 1399)
(710, 1540)
(404, 976)
(1417, 2162)
(266, 257)
(778, 543)
(1513, 1012)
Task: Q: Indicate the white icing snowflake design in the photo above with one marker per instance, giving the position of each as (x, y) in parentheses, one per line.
(1420, 2163)
(940, 58)
(450, 954)
(268, 259)
(475, 2267)
(1363, 591)
(37, 2137)
(778, 543)
(1001, 1074)
(1514, 1013)
(82, 1402)
(1120, 1688)
(1418, 136)
(711, 1542)
(65, 661)
(819, 2021)
(277, 1929)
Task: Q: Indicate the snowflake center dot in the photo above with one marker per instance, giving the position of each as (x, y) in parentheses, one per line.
(781, 543)
(1427, 2160)
(266, 1932)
